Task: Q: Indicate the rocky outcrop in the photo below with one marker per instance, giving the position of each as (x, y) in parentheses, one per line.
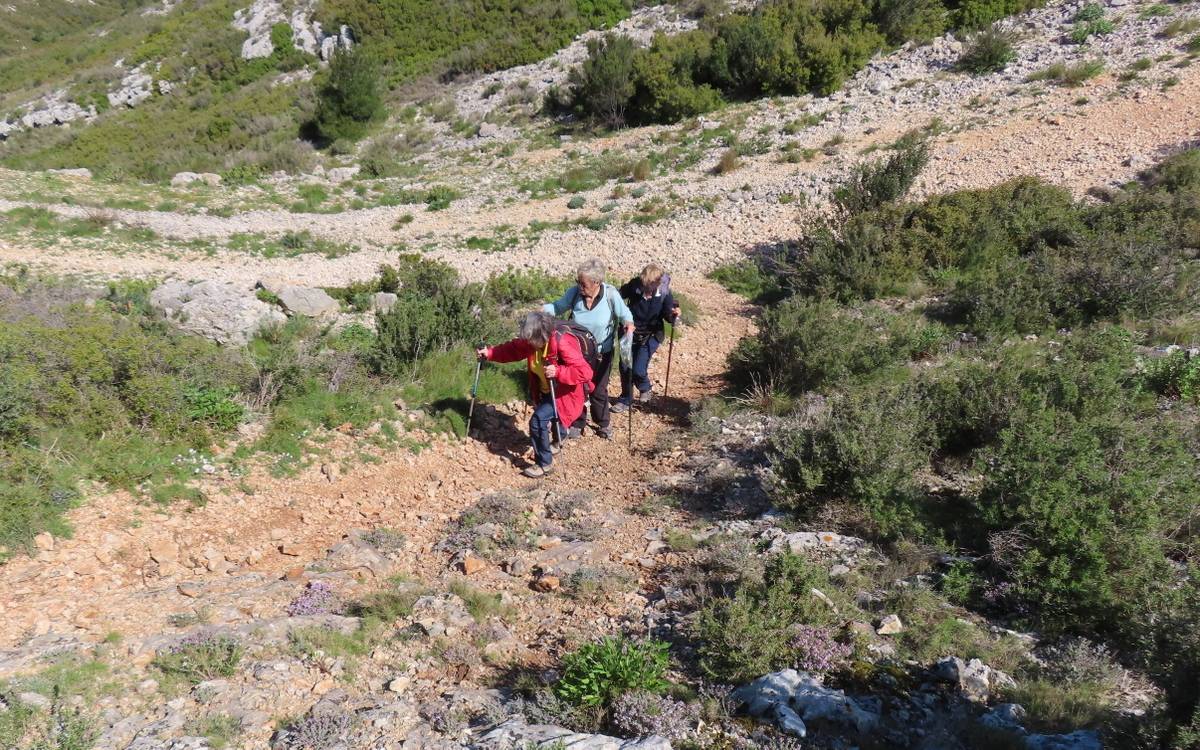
(136, 87)
(307, 34)
(793, 699)
(224, 313)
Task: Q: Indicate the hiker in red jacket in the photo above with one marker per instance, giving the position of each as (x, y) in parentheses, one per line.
(552, 356)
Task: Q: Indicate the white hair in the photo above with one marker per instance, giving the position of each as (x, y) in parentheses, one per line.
(593, 269)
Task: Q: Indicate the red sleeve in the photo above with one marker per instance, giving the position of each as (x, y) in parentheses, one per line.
(513, 351)
(573, 369)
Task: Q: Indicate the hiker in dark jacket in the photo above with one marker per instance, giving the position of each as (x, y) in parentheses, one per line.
(652, 306)
(550, 356)
(598, 307)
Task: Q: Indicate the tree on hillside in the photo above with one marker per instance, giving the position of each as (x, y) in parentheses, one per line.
(349, 101)
(603, 85)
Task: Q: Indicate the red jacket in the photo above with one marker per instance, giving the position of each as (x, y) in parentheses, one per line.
(574, 373)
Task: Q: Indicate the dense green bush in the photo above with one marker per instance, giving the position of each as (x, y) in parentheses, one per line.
(349, 99)
(603, 84)
(1177, 376)
(875, 184)
(433, 313)
(865, 450)
(599, 673)
(749, 633)
(988, 51)
(418, 37)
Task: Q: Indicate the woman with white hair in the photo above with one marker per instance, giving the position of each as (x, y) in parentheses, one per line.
(551, 356)
(598, 307)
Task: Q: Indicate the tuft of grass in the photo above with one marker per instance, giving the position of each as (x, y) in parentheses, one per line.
(221, 730)
(201, 658)
(729, 161)
(1180, 26)
(1068, 75)
(481, 604)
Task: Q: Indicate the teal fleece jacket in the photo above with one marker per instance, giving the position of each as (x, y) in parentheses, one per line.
(598, 320)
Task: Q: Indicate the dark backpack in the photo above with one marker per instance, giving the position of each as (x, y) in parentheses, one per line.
(584, 337)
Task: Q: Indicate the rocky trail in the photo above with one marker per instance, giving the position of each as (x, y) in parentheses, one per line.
(153, 574)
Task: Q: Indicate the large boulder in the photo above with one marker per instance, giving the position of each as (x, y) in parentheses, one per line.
(222, 312)
(515, 734)
(307, 301)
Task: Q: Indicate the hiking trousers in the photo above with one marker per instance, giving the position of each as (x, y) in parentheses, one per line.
(598, 401)
(642, 352)
(541, 431)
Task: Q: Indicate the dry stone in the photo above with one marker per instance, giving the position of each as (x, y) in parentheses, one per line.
(308, 302)
(224, 313)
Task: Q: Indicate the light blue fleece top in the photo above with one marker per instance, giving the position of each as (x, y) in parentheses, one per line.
(598, 320)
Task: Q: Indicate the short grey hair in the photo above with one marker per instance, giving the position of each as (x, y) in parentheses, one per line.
(593, 269)
(536, 328)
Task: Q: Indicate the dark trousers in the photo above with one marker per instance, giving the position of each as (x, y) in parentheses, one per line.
(642, 352)
(541, 430)
(599, 398)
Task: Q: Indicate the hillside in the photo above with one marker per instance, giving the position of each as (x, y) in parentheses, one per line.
(925, 475)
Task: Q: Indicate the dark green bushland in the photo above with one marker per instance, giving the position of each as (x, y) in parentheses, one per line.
(422, 37)
(780, 47)
(1065, 463)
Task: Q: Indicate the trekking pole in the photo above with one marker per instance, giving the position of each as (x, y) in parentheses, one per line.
(670, 351)
(630, 407)
(554, 403)
(474, 390)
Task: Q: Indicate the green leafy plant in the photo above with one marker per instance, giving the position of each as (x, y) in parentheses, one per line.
(598, 673)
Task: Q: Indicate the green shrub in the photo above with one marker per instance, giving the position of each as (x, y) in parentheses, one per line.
(1176, 375)
(863, 457)
(349, 100)
(988, 51)
(911, 20)
(603, 85)
(875, 184)
(749, 279)
(747, 634)
(804, 345)
(1069, 75)
(433, 313)
(599, 673)
(576, 202)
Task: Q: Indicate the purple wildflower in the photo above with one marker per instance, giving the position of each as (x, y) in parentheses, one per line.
(316, 599)
(816, 650)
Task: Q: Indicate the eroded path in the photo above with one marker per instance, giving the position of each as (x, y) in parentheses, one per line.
(130, 566)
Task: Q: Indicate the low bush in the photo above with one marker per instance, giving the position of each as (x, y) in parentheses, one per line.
(988, 51)
(599, 673)
(201, 657)
(804, 345)
(760, 627)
